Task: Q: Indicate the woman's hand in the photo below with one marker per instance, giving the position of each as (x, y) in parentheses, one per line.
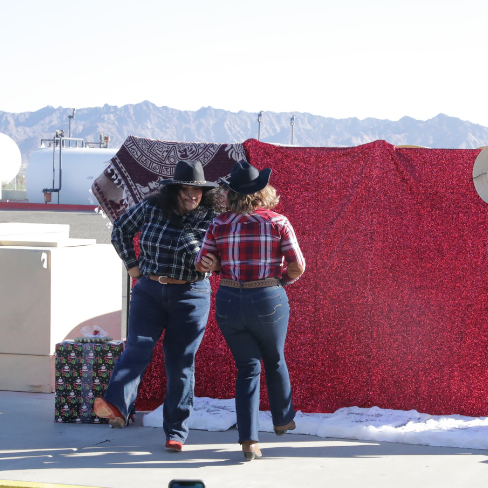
(209, 263)
(135, 272)
(291, 273)
(294, 270)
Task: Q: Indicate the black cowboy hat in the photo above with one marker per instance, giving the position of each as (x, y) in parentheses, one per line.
(246, 179)
(189, 173)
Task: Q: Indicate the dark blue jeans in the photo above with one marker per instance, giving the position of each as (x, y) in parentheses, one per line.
(254, 323)
(182, 312)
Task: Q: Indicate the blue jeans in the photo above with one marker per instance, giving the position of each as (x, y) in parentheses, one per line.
(182, 311)
(254, 323)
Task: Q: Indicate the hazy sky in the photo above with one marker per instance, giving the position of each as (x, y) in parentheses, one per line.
(340, 58)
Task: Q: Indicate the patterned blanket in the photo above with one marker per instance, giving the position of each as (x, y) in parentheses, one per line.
(138, 166)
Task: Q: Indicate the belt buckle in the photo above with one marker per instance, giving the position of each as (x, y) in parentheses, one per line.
(159, 280)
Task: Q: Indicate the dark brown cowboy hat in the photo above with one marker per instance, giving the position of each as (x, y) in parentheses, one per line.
(189, 173)
(246, 179)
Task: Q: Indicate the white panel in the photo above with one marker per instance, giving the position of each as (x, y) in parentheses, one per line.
(27, 373)
(48, 294)
(25, 300)
(86, 290)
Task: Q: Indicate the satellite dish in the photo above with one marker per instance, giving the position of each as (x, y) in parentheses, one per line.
(10, 159)
(480, 176)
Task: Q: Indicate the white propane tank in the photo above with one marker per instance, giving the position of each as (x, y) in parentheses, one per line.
(80, 167)
(10, 159)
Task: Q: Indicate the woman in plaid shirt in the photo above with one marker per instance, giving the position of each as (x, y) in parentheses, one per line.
(170, 295)
(252, 243)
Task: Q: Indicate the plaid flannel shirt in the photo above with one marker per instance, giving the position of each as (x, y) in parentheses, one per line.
(168, 246)
(253, 246)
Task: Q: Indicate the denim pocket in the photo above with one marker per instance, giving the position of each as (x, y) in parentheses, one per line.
(222, 307)
(140, 281)
(269, 309)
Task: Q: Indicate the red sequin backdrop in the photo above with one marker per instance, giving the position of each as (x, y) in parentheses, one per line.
(392, 308)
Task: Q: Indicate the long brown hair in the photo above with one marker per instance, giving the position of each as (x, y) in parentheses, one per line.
(265, 198)
(167, 199)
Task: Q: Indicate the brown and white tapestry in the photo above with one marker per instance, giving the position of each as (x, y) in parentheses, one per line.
(135, 171)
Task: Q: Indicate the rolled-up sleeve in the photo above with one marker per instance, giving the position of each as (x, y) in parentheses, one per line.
(208, 244)
(125, 229)
(291, 252)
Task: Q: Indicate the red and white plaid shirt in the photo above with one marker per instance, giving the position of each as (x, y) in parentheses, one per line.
(252, 246)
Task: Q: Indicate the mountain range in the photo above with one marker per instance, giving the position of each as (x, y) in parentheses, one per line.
(215, 125)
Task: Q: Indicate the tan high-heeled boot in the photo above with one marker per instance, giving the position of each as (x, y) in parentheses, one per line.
(251, 450)
(283, 429)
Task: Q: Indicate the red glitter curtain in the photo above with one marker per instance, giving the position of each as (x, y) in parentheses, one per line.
(392, 308)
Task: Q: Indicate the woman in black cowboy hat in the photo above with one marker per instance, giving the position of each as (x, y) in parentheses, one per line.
(259, 254)
(170, 295)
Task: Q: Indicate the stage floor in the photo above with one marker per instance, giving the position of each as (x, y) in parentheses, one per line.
(83, 225)
(35, 448)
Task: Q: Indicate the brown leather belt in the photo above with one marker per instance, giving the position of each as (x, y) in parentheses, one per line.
(250, 284)
(165, 280)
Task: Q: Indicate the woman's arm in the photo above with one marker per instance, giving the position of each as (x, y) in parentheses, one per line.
(125, 229)
(292, 254)
(208, 257)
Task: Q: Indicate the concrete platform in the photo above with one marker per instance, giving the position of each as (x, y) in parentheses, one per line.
(34, 448)
(83, 224)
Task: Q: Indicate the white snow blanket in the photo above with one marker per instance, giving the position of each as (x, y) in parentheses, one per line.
(208, 414)
(366, 424)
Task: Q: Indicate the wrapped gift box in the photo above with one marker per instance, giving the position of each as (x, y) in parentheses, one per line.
(83, 371)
